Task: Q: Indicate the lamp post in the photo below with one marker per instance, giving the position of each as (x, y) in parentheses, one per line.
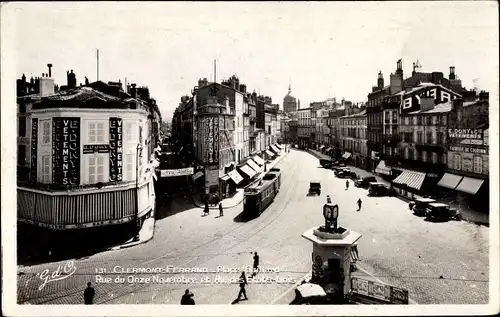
(138, 155)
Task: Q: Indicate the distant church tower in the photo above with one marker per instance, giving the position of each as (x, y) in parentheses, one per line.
(289, 101)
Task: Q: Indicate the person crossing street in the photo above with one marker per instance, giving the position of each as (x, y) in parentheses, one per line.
(359, 204)
(243, 282)
(221, 211)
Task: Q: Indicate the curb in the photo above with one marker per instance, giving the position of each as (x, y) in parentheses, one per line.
(237, 204)
(132, 244)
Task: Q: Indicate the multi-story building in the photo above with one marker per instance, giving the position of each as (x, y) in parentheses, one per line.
(353, 135)
(266, 120)
(290, 102)
(88, 158)
(293, 125)
(304, 128)
(322, 129)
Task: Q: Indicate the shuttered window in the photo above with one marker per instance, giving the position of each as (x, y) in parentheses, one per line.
(96, 169)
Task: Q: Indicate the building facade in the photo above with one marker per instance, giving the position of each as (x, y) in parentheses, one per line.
(304, 127)
(353, 131)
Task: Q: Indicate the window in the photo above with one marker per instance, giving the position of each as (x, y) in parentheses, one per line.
(46, 137)
(130, 167)
(444, 120)
(429, 137)
(46, 171)
(416, 155)
(394, 117)
(457, 162)
(434, 157)
(96, 169)
(96, 132)
(443, 138)
(419, 136)
(131, 131)
(407, 120)
(22, 108)
(478, 164)
(419, 120)
(434, 120)
(424, 156)
(21, 126)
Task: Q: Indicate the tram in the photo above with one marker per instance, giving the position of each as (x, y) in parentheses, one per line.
(261, 193)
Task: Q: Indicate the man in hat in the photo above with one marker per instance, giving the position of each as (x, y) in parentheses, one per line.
(187, 298)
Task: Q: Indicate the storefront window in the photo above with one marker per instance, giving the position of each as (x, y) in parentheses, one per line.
(478, 165)
(457, 162)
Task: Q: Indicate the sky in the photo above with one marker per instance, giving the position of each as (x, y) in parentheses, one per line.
(322, 49)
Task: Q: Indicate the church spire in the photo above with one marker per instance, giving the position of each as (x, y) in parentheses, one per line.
(289, 86)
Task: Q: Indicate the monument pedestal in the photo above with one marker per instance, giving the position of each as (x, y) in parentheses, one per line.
(331, 259)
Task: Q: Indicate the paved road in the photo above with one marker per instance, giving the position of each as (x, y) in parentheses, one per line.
(397, 247)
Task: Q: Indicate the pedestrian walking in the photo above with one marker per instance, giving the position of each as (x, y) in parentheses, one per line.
(328, 199)
(243, 282)
(88, 294)
(187, 298)
(347, 184)
(359, 204)
(207, 209)
(255, 263)
(221, 211)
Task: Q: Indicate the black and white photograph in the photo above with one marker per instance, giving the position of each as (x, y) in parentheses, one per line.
(254, 158)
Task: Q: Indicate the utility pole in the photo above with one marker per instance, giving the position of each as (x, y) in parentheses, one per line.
(97, 64)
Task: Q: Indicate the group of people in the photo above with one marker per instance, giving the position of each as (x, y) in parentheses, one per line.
(206, 210)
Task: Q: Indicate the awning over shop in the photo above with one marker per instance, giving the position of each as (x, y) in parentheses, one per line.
(258, 160)
(225, 178)
(450, 181)
(470, 185)
(383, 169)
(248, 171)
(235, 176)
(346, 155)
(322, 147)
(197, 175)
(279, 146)
(275, 148)
(412, 179)
(253, 165)
(270, 153)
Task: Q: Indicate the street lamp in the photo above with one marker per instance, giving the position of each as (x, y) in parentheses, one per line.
(138, 155)
(331, 214)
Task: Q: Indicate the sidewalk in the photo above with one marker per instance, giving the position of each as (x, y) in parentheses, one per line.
(467, 213)
(145, 234)
(238, 197)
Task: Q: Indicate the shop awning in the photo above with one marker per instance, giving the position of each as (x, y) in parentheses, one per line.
(275, 148)
(346, 155)
(253, 165)
(235, 176)
(279, 146)
(248, 171)
(259, 160)
(270, 153)
(225, 177)
(412, 179)
(197, 175)
(470, 185)
(450, 180)
(322, 147)
(383, 169)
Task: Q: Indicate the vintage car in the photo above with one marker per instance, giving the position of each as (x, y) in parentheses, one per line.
(419, 205)
(339, 170)
(326, 162)
(345, 173)
(363, 182)
(380, 189)
(439, 211)
(315, 188)
(338, 165)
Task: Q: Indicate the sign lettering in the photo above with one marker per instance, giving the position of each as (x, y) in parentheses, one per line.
(465, 149)
(475, 134)
(177, 172)
(93, 148)
(115, 149)
(34, 142)
(66, 151)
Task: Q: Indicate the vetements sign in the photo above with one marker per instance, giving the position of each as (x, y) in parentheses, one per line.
(115, 149)
(66, 150)
(34, 143)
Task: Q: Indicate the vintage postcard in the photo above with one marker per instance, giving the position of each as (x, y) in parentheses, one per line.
(249, 158)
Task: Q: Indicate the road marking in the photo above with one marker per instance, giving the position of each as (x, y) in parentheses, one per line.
(277, 299)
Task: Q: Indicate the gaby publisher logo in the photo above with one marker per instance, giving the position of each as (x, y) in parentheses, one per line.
(62, 272)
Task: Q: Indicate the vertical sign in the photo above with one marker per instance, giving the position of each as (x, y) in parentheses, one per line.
(34, 144)
(115, 149)
(210, 149)
(216, 140)
(66, 151)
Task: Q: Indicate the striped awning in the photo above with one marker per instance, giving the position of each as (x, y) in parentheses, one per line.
(258, 160)
(450, 180)
(346, 155)
(470, 185)
(412, 179)
(253, 165)
(279, 146)
(270, 153)
(383, 169)
(275, 148)
(235, 176)
(322, 147)
(247, 170)
(197, 175)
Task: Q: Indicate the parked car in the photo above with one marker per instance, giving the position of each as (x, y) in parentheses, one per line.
(363, 182)
(380, 189)
(419, 205)
(439, 211)
(315, 188)
(326, 163)
(338, 165)
(340, 170)
(346, 173)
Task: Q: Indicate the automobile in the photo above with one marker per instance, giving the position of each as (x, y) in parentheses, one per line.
(326, 162)
(315, 188)
(340, 170)
(440, 211)
(419, 205)
(346, 173)
(380, 189)
(363, 182)
(338, 165)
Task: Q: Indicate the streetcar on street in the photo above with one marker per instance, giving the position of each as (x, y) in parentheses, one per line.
(261, 193)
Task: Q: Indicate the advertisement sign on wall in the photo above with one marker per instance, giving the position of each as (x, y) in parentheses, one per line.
(115, 149)
(34, 142)
(466, 136)
(66, 150)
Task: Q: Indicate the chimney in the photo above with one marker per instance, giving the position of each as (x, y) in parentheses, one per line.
(133, 91)
(380, 80)
(452, 73)
(50, 69)
(399, 68)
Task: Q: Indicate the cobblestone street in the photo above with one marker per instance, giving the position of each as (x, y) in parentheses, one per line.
(439, 263)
